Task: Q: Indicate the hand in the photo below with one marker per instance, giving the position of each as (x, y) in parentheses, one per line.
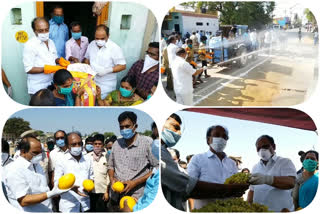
(10, 92)
(238, 190)
(80, 91)
(125, 207)
(257, 179)
(98, 94)
(79, 191)
(105, 196)
(129, 185)
(56, 191)
(75, 60)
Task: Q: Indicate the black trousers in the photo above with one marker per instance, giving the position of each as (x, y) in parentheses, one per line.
(97, 204)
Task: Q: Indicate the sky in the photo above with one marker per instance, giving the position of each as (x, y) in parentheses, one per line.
(242, 137)
(84, 120)
(289, 8)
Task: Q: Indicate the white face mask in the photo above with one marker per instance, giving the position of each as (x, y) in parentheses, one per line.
(36, 159)
(218, 144)
(100, 43)
(265, 154)
(149, 62)
(76, 151)
(43, 36)
(4, 157)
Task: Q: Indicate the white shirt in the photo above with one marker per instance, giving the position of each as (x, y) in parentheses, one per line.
(182, 76)
(108, 56)
(56, 154)
(276, 199)
(24, 178)
(171, 50)
(37, 54)
(70, 201)
(209, 168)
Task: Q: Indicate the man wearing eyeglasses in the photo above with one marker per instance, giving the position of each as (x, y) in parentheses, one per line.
(80, 166)
(146, 72)
(39, 51)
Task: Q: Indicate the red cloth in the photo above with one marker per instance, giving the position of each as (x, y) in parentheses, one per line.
(279, 116)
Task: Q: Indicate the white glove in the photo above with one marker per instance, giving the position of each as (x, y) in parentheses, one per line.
(10, 92)
(257, 179)
(204, 67)
(56, 191)
(101, 71)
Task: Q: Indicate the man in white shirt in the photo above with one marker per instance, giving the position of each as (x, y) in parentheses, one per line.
(214, 165)
(25, 180)
(79, 165)
(272, 179)
(38, 52)
(98, 156)
(106, 58)
(182, 73)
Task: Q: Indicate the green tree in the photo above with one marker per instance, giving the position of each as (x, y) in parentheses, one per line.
(93, 134)
(253, 14)
(16, 126)
(147, 133)
(309, 15)
(108, 134)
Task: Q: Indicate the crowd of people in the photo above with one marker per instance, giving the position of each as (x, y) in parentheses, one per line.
(274, 181)
(30, 177)
(51, 48)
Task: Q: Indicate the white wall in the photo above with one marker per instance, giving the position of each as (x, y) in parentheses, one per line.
(189, 24)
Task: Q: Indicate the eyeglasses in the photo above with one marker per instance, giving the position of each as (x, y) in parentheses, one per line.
(59, 138)
(151, 54)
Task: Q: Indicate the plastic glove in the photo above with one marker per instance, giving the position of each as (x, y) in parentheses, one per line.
(10, 92)
(257, 179)
(101, 71)
(56, 191)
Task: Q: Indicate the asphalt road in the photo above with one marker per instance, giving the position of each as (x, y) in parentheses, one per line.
(284, 77)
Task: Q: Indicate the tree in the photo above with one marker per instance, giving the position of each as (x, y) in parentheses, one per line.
(147, 133)
(253, 14)
(16, 126)
(93, 134)
(108, 134)
(309, 15)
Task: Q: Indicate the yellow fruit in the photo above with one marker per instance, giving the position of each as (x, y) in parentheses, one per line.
(130, 201)
(66, 181)
(88, 185)
(118, 186)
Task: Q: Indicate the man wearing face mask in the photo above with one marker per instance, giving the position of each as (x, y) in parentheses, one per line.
(76, 47)
(106, 58)
(57, 153)
(38, 52)
(59, 32)
(146, 72)
(272, 179)
(88, 147)
(131, 160)
(177, 186)
(214, 165)
(99, 195)
(182, 73)
(74, 162)
(26, 183)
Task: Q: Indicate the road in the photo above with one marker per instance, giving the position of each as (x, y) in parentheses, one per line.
(285, 77)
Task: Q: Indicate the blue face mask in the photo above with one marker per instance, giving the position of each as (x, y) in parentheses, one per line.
(109, 152)
(125, 92)
(60, 143)
(149, 96)
(170, 138)
(76, 36)
(58, 19)
(127, 133)
(89, 147)
(65, 91)
(190, 46)
(155, 148)
(310, 165)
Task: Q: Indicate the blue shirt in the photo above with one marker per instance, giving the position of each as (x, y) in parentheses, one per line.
(59, 34)
(150, 192)
(308, 190)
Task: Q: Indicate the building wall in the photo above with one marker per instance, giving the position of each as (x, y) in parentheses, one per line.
(189, 24)
(131, 41)
(11, 53)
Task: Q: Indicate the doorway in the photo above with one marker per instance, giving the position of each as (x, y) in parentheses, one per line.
(177, 28)
(75, 11)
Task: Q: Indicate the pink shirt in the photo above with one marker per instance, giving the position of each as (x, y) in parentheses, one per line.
(74, 50)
